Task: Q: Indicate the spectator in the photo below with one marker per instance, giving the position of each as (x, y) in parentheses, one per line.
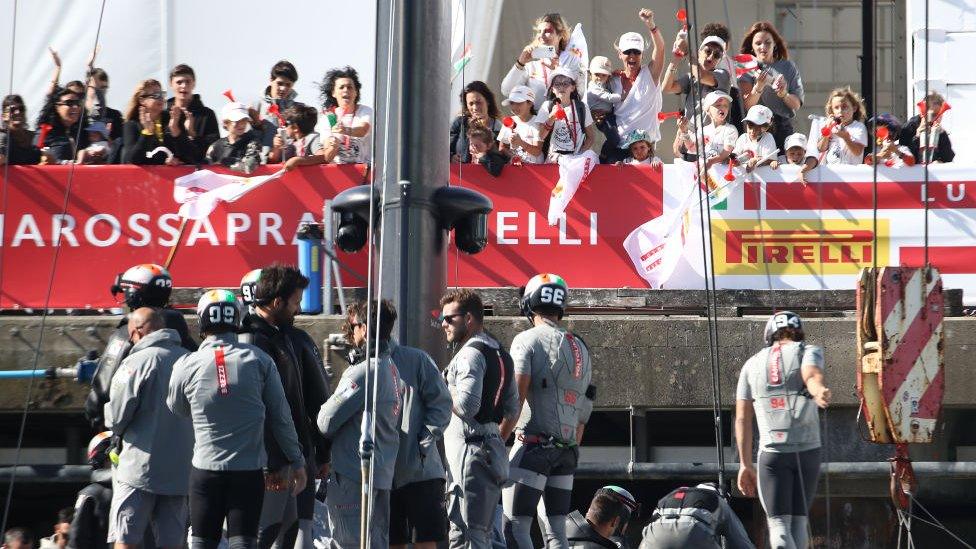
(62, 530)
(704, 71)
(152, 473)
(146, 135)
(75, 85)
(16, 145)
(99, 147)
(845, 136)
(796, 148)
(639, 85)
(552, 33)
(641, 149)
(95, 103)
(477, 107)
(778, 85)
(346, 119)
(754, 147)
(240, 150)
(721, 31)
(303, 145)
(520, 138)
(891, 153)
(718, 137)
(89, 526)
(481, 146)
(602, 101)
(913, 134)
(567, 123)
(62, 112)
(281, 93)
(17, 538)
(189, 116)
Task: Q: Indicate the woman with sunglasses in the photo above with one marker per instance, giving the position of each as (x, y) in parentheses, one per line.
(551, 38)
(778, 84)
(62, 112)
(147, 129)
(15, 137)
(704, 70)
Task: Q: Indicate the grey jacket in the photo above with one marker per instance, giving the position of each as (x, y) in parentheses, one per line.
(341, 417)
(426, 412)
(229, 424)
(156, 443)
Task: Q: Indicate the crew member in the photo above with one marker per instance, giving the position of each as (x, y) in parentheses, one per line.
(480, 379)
(698, 517)
(605, 524)
(782, 385)
(232, 392)
(146, 285)
(552, 372)
(89, 526)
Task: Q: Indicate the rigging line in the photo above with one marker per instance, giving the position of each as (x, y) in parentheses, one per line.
(873, 139)
(6, 164)
(935, 522)
(463, 5)
(711, 312)
(47, 302)
(928, 133)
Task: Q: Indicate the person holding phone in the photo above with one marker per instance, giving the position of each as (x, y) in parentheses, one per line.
(540, 58)
(778, 84)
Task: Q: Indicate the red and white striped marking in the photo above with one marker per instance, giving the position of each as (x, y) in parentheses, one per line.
(912, 376)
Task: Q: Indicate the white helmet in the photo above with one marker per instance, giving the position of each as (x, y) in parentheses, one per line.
(219, 310)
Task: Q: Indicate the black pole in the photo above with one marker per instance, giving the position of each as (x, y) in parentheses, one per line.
(867, 55)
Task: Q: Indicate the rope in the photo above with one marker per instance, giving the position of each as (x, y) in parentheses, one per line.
(460, 183)
(47, 297)
(935, 522)
(928, 130)
(6, 164)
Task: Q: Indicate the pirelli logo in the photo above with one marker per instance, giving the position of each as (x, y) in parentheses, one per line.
(797, 246)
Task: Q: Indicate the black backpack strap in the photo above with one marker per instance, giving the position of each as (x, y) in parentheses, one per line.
(499, 373)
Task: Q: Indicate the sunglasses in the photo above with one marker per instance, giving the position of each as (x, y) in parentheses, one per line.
(69, 103)
(449, 318)
(157, 96)
(562, 83)
(14, 110)
(713, 53)
(632, 52)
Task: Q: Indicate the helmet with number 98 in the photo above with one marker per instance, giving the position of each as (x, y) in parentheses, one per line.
(779, 320)
(546, 294)
(146, 285)
(219, 311)
(248, 284)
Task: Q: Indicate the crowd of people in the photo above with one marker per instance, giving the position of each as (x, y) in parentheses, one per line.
(736, 106)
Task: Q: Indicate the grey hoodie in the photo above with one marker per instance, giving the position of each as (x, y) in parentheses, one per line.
(426, 412)
(340, 419)
(156, 443)
(229, 425)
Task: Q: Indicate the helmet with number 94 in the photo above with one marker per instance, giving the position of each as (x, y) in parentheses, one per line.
(146, 285)
(781, 319)
(545, 293)
(219, 311)
(248, 284)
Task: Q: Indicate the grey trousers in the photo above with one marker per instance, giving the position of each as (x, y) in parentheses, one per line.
(344, 501)
(476, 485)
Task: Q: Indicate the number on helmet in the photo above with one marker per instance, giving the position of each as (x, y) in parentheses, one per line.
(222, 314)
(553, 296)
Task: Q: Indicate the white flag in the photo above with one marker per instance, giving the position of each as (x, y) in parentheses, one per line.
(578, 48)
(573, 169)
(656, 247)
(201, 191)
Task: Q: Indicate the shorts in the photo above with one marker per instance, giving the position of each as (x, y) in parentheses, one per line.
(133, 510)
(418, 513)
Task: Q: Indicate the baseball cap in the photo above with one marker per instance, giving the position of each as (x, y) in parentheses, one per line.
(795, 140)
(713, 40)
(520, 94)
(714, 97)
(600, 65)
(631, 41)
(759, 115)
(234, 111)
(98, 126)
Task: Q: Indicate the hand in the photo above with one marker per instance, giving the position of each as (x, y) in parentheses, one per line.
(747, 480)
(291, 164)
(255, 116)
(277, 142)
(146, 120)
(647, 16)
(842, 133)
(323, 472)
(751, 164)
(657, 164)
(779, 83)
(683, 123)
(339, 128)
(189, 124)
(175, 129)
(761, 82)
(54, 56)
(515, 140)
(455, 158)
(680, 44)
(526, 54)
(299, 479)
(888, 147)
(173, 161)
(802, 177)
(276, 481)
(821, 396)
(774, 164)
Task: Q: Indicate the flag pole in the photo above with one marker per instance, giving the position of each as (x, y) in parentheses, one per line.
(176, 245)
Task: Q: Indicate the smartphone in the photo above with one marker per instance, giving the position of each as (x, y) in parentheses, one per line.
(544, 52)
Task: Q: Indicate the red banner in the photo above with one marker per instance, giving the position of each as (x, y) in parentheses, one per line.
(119, 216)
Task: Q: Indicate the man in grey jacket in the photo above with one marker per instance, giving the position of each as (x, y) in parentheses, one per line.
(152, 475)
(341, 419)
(480, 379)
(229, 390)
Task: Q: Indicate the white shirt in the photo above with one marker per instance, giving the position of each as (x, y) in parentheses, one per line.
(537, 73)
(568, 134)
(638, 111)
(759, 149)
(717, 139)
(529, 132)
(837, 150)
(352, 150)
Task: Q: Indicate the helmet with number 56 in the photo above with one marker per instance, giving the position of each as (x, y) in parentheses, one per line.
(545, 293)
(219, 311)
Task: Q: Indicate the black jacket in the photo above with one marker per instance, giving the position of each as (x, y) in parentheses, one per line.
(22, 150)
(115, 351)
(89, 527)
(135, 144)
(296, 365)
(943, 149)
(207, 129)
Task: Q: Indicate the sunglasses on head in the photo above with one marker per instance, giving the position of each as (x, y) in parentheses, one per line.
(69, 103)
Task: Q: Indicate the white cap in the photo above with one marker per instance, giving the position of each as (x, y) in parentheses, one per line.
(714, 97)
(630, 41)
(759, 115)
(713, 40)
(562, 71)
(600, 65)
(795, 140)
(234, 111)
(520, 94)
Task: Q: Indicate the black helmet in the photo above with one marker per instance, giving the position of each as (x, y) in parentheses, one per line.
(146, 285)
(248, 285)
(98, 448)
(544, 293)
(782, 319)
(219, 311)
